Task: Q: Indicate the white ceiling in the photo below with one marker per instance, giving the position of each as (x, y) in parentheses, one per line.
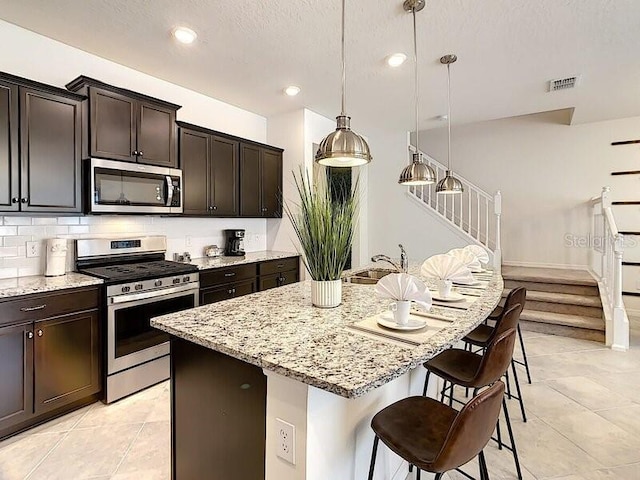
(247, 52)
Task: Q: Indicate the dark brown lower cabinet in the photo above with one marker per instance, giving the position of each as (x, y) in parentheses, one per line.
(227, 291)
(278, 280)
(50, 357)
(218, 415)
(16, 374)
(67, 353)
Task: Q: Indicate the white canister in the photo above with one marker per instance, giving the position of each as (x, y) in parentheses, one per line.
(56, 257)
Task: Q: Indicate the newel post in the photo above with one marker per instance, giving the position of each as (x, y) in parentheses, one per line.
(620, 339)
(497, 210)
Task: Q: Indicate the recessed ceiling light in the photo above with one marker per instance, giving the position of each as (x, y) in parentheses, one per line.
(292, 90)
(396, 59)
(185, 35)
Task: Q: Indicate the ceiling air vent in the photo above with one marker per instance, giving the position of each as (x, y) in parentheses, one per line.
(563, 83)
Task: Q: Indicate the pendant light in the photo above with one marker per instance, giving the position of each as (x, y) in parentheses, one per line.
(417, 172)
(449, 185)
(344, 147)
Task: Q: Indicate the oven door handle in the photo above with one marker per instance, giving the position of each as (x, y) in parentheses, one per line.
(169, 181)
(153, 294)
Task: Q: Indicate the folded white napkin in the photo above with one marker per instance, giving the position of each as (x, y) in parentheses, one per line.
(480, 252)
(466, 257)
(402, 286)
(447, 267)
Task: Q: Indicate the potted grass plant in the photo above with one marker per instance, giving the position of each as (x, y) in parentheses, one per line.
(324, 222)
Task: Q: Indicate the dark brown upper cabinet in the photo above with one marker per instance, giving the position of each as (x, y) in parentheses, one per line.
(9, 155)
(260, 181)
(128, 126)
(40, 147)
(210, 172)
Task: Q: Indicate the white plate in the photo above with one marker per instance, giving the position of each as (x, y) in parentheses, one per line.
(386, 320)
(453, 297)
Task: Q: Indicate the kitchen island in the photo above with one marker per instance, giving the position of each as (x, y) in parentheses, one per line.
(240, 366)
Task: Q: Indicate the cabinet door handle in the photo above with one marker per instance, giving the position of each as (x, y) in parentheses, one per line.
(141, 154)
(135, 153)
(40, 333)
(231, 274)
(15, 200)
(24, 200)
(215, 208)
(233, 290)
(29, 335)
(264, 209)
(230, 291)
(33, 309)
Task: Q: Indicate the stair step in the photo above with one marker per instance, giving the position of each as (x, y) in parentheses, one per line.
(580, 305)
(549, 275)
(563, 331)
(585, 290)
(562, 319)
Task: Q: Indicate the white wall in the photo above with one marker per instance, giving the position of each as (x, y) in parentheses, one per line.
(547, 171)
(33, 56)
(393, 218)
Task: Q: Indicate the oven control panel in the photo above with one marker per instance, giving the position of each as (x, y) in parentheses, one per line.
(155, 284)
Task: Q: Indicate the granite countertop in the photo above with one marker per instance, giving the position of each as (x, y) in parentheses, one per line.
(15, 287)
(280, 330)
(207, 263)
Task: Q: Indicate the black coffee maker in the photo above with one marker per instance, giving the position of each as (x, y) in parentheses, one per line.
(234, 244)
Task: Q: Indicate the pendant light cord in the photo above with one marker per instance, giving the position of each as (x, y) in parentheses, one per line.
(449, 115)
(344, 64)
(415, 58)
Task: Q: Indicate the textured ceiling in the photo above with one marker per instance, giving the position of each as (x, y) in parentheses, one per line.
(247, 52)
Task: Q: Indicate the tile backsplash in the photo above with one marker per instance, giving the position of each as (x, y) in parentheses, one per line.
(183, 234)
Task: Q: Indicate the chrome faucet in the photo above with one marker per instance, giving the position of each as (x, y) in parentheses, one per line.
(404, 260)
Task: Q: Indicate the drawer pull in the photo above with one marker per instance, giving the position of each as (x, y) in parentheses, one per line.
(280, 265)
(33, 309)
(40, 333)
(29, 335)
(232, 274)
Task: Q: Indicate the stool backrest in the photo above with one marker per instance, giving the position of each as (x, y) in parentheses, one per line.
(471, 429)
(516, 295)
(508, 320)
(496, 359)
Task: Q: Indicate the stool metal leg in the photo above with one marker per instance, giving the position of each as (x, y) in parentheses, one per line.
(373, 457)
(484, 472)
(438, 476)
(426, 384)
(417, 474)
(524, 355)
(499, 434)
(515, 378)
(508, 382)
(514, 450)
(444, 389)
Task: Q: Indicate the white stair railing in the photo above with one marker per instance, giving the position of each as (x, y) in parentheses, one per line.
(475, 213)
(606, 264)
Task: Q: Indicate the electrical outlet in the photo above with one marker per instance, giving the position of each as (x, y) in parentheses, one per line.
(286, 441)
(187, 241)
(33, 249)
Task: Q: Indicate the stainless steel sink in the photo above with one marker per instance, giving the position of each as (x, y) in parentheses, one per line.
(369, 276)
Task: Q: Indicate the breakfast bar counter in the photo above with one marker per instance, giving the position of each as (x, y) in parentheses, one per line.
(241, 366)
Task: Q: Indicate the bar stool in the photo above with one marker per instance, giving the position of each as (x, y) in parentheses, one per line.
(435, 437)
(468, 369)
(517, 295)
(483, 335)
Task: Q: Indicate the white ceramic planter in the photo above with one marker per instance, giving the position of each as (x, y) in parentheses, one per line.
(326, 294)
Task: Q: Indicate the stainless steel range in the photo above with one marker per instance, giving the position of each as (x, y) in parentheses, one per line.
(140, 285)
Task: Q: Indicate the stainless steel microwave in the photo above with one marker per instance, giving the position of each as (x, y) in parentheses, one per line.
(123, 187)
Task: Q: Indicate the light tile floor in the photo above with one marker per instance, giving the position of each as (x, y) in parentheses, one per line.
(583, 408)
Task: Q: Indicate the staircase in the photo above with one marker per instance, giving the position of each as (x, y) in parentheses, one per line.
(559, 302)
(475, 214)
